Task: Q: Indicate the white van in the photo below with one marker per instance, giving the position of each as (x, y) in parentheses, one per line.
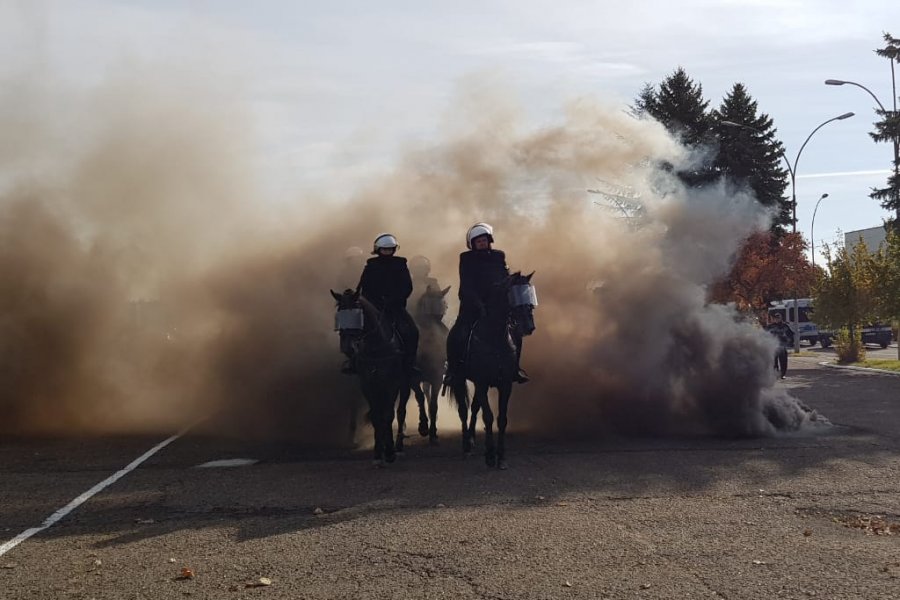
(808, 331)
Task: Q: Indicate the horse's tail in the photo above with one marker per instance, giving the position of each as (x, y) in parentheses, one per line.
(458, 390)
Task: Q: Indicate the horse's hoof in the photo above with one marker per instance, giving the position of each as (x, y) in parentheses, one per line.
(378, 463)
(490, 461)
(502, 465)
(390, 457)
(433, 441)
(423, 428)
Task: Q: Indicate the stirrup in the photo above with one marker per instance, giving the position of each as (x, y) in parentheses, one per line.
(521, 376)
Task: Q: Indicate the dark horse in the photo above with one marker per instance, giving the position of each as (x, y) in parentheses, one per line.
(370, 337)
(429, 315)
(491, 362)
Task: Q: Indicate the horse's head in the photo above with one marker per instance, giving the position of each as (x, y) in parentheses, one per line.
(522, 299)
(348, 320)
(433, 303)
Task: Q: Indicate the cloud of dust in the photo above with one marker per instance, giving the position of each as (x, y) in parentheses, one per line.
(147, 281)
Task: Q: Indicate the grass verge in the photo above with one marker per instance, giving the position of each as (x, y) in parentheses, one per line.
(888, 365)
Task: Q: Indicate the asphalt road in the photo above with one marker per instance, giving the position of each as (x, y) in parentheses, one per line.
(789, 517)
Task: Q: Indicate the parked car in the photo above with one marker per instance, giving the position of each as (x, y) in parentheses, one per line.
(877, 334)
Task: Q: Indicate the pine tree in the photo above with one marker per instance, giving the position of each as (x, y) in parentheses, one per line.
(679, 105)
(750, 155)
(887, 129)
(645, 103)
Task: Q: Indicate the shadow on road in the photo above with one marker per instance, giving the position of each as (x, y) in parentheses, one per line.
(295, 487)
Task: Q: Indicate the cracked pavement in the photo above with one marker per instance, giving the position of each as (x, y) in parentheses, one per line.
(691, 517)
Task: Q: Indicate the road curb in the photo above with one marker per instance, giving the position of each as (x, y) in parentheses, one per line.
(852, 368)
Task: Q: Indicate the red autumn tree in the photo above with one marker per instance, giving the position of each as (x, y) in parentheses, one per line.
(768, 267)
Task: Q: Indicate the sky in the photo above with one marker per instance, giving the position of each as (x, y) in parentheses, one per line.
(340, 90)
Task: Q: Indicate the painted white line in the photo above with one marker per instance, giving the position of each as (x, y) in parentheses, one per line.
(49, 521)
(228, 463)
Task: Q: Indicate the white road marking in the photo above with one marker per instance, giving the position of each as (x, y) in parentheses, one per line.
(49, 521)
(228, 462)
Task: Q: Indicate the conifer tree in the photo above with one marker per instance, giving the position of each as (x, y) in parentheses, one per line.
(679, 105)
(749, 155)
(887, 129)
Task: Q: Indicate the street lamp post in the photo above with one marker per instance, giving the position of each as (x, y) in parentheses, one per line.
(884, 110)
(812, 230)
(846, 115)
(792, 170)
(896, 138)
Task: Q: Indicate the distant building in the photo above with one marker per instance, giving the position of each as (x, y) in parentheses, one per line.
(873, 237)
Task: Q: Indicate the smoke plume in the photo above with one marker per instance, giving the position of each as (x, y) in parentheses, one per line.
(148, 280)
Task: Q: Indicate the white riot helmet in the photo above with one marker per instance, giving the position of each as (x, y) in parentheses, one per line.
(419, 265)
(384, 240)
(478, 230)
(353, 252)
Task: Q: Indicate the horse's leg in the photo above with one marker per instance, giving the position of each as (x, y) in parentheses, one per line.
(401, 417)
(390, 405)
(481, 397)
(420, 400)
(434, 389)
(353, 419)
(461, 395)
(505, 391)
(473, 421)
(375, 419)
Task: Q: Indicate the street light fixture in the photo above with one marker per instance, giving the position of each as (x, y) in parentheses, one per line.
(884, 110)
(793, 173)
(859, 85)
(812, 229)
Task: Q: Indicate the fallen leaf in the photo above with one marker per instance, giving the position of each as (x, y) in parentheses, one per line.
(567, 584)
(807, 532)
(261, 582)
(441, 506)
(98, 563)
(172, 560)
(186, 573)
(144, 521)
(318, 511)
(758, 562)
(645, 586)
(10, 566)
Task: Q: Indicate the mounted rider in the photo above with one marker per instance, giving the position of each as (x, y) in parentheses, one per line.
(351, 268)
(386, 283)
(480, 268)
(420, 269)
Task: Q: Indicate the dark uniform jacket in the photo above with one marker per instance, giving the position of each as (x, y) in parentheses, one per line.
(783, 332)
(479, 270)
(386, 282)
